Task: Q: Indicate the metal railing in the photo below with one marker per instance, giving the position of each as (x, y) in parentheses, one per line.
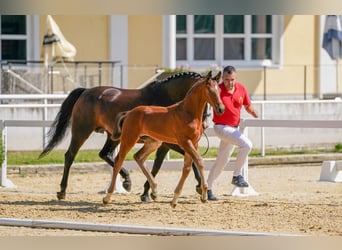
(62, 76)
(265, 83)
(34, 77)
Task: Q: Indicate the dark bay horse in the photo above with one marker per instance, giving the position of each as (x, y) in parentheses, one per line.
(94, 110)
(180, 123)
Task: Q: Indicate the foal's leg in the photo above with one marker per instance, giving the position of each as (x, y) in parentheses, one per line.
(185, 173)
(125, 147)
(160, 155)
(178, 149)
(117, 166)
(191, 149)
(140, 157)
(107, 153)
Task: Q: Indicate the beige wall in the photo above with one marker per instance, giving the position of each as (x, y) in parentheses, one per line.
(299, 39)
(145, 47)
(300, 47)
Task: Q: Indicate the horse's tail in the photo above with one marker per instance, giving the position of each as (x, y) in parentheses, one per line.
(117, 130)
(62, 121)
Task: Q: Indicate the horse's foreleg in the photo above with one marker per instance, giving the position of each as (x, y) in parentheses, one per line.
(107, 153)
(160, 155)
(191, 149)
(204, 186)
(178, 149)
(200, 165)
(185, 173)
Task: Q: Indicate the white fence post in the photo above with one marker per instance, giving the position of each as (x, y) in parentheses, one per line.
(3, 153)
(262, 139)
(45, 115)
(4, 181)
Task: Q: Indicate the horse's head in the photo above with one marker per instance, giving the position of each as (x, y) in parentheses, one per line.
(214, 98)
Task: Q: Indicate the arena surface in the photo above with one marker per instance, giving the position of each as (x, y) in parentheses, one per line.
(291, 200)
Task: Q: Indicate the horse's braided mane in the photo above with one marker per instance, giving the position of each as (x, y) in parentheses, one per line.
(180, 74)
(184, 74)
(157, 84)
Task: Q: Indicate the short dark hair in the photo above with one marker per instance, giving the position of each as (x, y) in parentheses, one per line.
(229, 70)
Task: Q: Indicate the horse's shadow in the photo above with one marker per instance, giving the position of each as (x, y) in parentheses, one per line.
(82, 206)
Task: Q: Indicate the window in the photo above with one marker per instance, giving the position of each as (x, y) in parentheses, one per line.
(243, 40)
(13, 37)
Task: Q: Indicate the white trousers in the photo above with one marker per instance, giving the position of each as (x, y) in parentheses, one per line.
(230, 138)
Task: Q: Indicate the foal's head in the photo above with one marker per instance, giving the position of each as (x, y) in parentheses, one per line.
(213, 94)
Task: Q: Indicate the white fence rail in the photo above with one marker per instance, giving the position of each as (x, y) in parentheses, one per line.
(45, 107)
(5, 182)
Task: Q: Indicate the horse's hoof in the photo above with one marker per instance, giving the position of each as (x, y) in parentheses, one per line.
(60, 195)
(127, 185)
(154, 195)
(173, 205)
(105, 201)
(204, 200)
(199, 190)
(145, 198)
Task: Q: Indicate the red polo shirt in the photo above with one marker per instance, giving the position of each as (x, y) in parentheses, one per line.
(233, 103)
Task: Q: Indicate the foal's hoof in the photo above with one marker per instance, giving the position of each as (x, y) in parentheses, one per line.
(199, 189)
(173, 205)
(203, 200)
(105, 201)
(145, 198)
(127, 185)
(60, 195)
(154, 195)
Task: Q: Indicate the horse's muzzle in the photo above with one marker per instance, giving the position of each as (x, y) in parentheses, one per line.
(220, 110)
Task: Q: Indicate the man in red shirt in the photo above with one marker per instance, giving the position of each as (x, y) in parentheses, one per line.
(234, 95)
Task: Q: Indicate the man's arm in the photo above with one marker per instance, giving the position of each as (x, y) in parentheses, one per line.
(250, 109)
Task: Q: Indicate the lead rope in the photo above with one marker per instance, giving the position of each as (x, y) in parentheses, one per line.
(206, 151)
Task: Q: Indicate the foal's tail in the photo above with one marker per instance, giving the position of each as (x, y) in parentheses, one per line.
(62, 121)
(119, 120)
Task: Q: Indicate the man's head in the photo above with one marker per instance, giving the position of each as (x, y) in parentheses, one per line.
(229, 77)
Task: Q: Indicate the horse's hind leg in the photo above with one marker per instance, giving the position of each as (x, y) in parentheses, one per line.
(69, 157)
(116, 169)
(160, 155)
(185, 173)
(107, 154)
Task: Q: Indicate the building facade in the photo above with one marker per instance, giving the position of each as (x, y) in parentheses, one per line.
(276, 56)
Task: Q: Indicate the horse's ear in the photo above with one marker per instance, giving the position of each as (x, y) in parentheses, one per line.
(209, 75)
(218, 76)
